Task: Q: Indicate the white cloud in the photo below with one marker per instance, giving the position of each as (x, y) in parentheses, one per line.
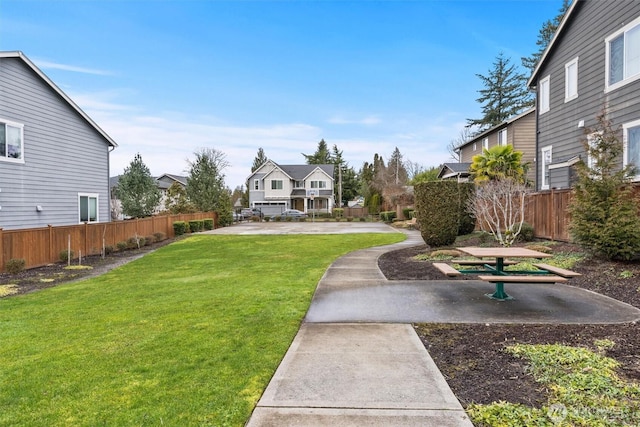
(48, 65)
(366, 121)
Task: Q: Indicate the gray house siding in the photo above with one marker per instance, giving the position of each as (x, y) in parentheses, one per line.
(64, 154)
(563, 127)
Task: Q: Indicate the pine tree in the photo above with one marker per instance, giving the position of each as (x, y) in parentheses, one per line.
(604, 213)
(322, 156)
(137, 190)
(504, 95)
(545, 36)
(259, 160)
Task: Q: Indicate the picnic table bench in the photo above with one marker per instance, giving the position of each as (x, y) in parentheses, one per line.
(495, 268)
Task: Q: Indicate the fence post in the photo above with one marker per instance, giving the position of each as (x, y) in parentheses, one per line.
(1, 250)
(50, 245)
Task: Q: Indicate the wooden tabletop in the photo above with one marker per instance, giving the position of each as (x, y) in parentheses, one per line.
(501, 252)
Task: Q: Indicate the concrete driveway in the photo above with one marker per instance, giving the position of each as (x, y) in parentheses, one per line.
(306, 227)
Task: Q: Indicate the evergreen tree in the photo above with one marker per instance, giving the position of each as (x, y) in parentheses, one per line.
(604, 212)
(544, 37)
(322, 156)
(138, 190)
(259, 160)
(205, 184)
(177, 201)
(504, 95)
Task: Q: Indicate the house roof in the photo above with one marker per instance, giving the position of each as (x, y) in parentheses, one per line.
(48, 81)
(550, 47)
(299, 172)
(497, 127)
(449, 170)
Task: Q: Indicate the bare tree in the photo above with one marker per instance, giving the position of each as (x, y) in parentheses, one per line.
(499, 207)
(464, 136)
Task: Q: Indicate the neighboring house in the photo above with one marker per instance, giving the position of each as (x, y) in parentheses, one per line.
(592, 62)
(518, 131)
(458, 171)
(163, 182)
(308, 188)
(54, 159)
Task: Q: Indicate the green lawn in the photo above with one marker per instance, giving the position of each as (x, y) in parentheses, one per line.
(187, 335)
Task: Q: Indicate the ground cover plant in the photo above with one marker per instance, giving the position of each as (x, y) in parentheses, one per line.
(524, 375)
(187, 335)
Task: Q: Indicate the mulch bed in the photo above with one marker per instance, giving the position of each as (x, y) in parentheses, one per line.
(472, 356)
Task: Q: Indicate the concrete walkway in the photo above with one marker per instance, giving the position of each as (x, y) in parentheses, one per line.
(357, 361)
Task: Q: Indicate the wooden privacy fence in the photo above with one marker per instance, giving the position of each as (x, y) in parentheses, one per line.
(548, 213)
(41, 246)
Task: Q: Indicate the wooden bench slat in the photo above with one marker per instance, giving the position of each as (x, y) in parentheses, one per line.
(482, 262)
(523, 279)
(446, 269)
(557, 270)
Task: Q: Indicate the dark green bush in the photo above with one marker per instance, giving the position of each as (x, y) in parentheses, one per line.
(363, 219)
(208, 223)
(467, 222)
(108, 249)
(388, 216)
(66, 255)
(122, 246)
(196, 225)
(148, 240)
(438, 211)
(135, 242)
(407, 213)
(526, 233)
(349, 219)
(338, 212)
(15, 265)
(180, 227)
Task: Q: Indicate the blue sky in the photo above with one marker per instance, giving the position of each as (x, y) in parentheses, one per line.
(165, 78)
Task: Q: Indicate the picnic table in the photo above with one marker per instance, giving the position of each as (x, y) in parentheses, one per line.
(501, 256)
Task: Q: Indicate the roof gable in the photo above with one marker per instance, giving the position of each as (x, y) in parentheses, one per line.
(21, 56)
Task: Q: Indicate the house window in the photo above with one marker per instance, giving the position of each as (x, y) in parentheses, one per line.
(502, 137)
(631, 138)
(11, 142)
(475, 146)
(88, 207)
(318, 184)
(276, 184)
(256, 184)
(571, 80)
(298, 184)
(623, 55)
(485, 143)
(544, 94)
(546, 161)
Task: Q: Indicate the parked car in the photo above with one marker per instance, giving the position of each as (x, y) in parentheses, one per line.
(247, 213)
(290, 213)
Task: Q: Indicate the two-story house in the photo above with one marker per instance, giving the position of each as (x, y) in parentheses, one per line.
(518, 131)
(54, 159)
(592, 64)
(308, 188)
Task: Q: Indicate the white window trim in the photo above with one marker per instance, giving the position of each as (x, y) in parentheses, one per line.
(485, 143)
(625, 141)
(567, 78)
(94, 196)
(4, 158)
(607, 40)
(502, 137)
(545, 106)
(543, 184)
(275, 181)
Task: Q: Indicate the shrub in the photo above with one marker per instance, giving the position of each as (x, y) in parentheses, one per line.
(362, 219)
(338, 212)
(66, 255)
(467, 221)
(159, 236)
(278, 219)
(122, 246)
(388, 216)
(196, 225)
(148, 240)
(267, 219)
(407, 213)
(108, 249)
(15, 265)
(288, 218)
(349, 219)
(135, 242)
(526, 233)
(437, 208)
(180, 227)
(207, 223)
